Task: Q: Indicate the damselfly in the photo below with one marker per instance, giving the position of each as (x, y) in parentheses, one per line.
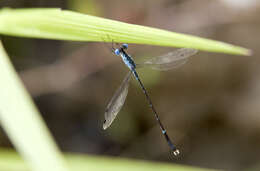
(165, 62)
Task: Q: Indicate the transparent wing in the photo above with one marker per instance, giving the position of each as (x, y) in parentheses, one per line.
(170, 60)
(117, 101)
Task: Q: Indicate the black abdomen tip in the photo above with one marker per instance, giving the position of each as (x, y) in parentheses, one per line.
(176, 152)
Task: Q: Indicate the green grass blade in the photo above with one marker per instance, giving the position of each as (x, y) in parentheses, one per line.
(12, 162)
(67, 25)
(22, 122)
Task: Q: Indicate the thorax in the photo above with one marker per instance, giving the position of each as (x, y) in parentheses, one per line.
(127, 59)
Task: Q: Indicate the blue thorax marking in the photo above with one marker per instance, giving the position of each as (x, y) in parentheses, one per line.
(129, 62)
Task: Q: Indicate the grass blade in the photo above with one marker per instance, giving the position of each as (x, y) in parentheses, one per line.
(22, 122)
(12, 162)
(68, 25)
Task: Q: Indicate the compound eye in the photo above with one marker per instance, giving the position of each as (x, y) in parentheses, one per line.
(124, 46)
(117, 52)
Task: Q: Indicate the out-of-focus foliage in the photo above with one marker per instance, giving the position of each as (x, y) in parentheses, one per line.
(12, 162)
(22, 122)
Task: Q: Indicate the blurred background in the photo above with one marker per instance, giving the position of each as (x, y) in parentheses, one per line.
(210, 106)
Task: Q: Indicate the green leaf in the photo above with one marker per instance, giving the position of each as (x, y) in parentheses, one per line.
(67, 25)
(10, 161)
(22, 122)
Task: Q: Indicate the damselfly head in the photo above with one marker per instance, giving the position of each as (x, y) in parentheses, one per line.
(117, 52)
(124, 46)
